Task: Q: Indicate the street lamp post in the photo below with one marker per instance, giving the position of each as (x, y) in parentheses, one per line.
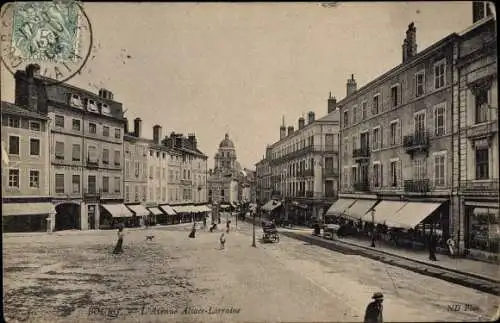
(253, 224)
(373, 228)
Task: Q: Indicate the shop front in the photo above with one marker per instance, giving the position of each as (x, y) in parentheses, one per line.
(27, 217)
(114, 214)
(482, 229)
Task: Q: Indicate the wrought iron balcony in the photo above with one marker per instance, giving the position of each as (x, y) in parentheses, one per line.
(362, 186)
(361, 153)
(480, 186)
(419, 141)
(300, 194)
(92, 162)
(416, 185)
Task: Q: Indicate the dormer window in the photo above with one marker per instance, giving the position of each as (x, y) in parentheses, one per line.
(105, 109)
(91, 106)
(75, 101)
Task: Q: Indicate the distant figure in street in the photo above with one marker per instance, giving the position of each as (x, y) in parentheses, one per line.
(222, 240)
(204, 223)
(451, 246)
(119, 243)
(432, 248)
(228, 223)
(192, 234)
(213, 227)
(374, 310)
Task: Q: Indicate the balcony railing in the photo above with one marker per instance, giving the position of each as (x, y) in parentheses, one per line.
(305, 173)
(483, 129)
(416, 185)
(300, 194)
(362, 186)
(419, 141)
(186, 181)
(92, 162)
(477, 186)
(361, 153)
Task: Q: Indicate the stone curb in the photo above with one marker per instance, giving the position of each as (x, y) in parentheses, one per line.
(406, 263)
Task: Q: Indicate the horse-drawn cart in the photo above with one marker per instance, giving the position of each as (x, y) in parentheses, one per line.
(270, 233)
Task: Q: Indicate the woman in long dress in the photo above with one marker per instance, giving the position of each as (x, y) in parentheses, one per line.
(192, 234)
(119, 243)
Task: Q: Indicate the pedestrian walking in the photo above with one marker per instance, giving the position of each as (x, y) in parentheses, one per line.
(222, 240)
(373, 313)
(432, 248)
(205, 222)
(119, 243)
(192, 234)
(227, 226)
(451, 246)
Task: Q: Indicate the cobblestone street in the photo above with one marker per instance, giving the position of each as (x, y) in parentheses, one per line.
(74, 276)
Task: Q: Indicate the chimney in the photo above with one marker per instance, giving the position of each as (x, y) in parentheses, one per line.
(33, 70)
(405, 50)
(282, 128)
(332, 103)
(351, 85)
(411, 36)
(125, 125)
(480, 10)
(301, 123)
(137, 127)
(105, 94)
(290, 130)
(310, 117)
(157, 134)
(192, 139)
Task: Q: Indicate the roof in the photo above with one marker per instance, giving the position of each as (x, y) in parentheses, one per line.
(226, 142)
(11, 108)
(401, 67)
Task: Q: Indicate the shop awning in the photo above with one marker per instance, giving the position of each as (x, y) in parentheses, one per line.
(358, 209)
(9, 209)
(195, 209)
(233, 204)
(271, 205)
(204, 208)
(183, 208)
(224, 206)
(138, 209)
(412, 214)
(167, 209)
(155, 210)
(384, 211)
(118, 210)
(340, 206)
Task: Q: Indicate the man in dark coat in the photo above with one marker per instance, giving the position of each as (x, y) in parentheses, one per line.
(432, 247)
(374, 310)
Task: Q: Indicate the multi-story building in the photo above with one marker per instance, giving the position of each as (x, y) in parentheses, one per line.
(419, 143)
(26, 202)
(396, 132)
(136, 150)
(263, 186)
(188, 171)
(304, 166)
(475, 152)
(86, 150)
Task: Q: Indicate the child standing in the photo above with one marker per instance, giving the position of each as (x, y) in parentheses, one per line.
(222, 240)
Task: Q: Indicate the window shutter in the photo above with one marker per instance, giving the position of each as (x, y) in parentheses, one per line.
(398, 133)
(431, 127)
(400, 173)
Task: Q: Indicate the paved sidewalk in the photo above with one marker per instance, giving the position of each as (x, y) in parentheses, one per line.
(473, 267)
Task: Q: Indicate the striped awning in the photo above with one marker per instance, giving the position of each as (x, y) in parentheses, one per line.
(168, 209)
(155, 210)
(9, 209)
(204, 208)
(183, 208)
(138, 209)
(118, 210)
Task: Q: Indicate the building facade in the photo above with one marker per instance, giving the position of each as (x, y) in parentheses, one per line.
(396, 132)
(26, 202)
(304, 166)
(263, 187)
(136, 150)
(86, 149)
(476, 225)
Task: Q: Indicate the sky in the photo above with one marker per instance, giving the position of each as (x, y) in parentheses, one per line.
(237, 68)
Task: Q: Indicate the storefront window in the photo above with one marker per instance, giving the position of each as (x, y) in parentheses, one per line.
(484, 229)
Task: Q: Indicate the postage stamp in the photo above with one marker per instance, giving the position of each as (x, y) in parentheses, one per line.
(55, 35)
(45, 31)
